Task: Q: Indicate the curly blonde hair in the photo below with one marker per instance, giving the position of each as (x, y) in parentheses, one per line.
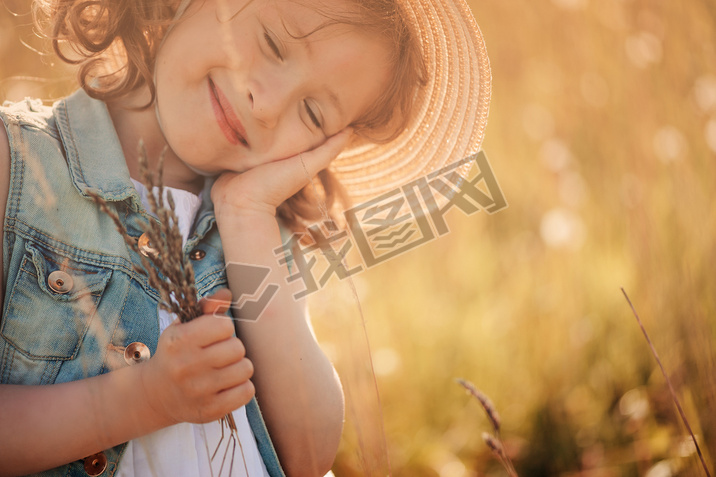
(114, 43)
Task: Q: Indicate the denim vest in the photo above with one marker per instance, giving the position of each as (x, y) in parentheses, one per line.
(73, 300)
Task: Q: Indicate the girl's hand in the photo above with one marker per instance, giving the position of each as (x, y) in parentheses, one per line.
(199, 372)
(265, 187)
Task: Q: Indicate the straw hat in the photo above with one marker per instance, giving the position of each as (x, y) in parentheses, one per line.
(451, 110)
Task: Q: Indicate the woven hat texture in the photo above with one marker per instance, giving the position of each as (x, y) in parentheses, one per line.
(451, 110)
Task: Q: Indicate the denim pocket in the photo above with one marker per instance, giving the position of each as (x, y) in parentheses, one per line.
(52, 303)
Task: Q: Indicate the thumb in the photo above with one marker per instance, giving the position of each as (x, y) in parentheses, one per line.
(216, 304)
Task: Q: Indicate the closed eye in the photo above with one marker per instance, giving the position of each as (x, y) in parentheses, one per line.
(312, 116)
(272, 45)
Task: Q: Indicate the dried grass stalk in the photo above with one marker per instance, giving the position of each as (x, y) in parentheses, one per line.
(672, 391)
(493, 442)
(487, 405)
(167, 268)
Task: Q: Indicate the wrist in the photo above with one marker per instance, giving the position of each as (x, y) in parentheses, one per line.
(153, 411)
(233, 200)
(244, 217)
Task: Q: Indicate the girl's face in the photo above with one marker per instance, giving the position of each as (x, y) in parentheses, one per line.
(238, 85)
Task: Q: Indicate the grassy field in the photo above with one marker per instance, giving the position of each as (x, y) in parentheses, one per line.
(602, 134)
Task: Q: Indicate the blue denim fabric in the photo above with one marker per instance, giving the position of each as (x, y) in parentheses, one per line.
(58, 154)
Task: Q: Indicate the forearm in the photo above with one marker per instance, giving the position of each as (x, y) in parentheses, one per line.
(296, 385)
(42, 427)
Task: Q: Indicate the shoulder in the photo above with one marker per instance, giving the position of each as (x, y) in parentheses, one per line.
(28, 115)
(30, 111)
(28, 129)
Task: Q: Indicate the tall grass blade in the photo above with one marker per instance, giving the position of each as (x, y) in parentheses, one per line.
(668, 382)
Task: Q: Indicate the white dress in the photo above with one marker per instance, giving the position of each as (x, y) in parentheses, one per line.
(185, 450)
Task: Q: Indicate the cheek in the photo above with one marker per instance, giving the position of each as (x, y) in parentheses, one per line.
(291, 140)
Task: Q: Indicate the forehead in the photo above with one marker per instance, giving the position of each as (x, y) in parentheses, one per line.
(312, 12)
(312, 20)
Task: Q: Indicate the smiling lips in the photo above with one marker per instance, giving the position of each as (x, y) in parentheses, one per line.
(226, 117)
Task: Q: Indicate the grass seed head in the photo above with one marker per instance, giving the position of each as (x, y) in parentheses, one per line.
(486, 403)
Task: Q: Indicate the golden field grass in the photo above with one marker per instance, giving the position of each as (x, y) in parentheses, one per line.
(602, 134)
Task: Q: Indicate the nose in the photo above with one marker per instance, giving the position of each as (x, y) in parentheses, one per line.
(270, 102)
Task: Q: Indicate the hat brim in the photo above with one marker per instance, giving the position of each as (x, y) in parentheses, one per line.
(451, 110)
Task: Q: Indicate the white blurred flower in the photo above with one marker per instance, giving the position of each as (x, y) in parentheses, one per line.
(705, 93)
(634, 404)
(555, 154)
(562, 228)
(386, 361)
(660, 469)
(453, 468)
(669, 144)
(643, 48)
(686, 446)
(571, 4)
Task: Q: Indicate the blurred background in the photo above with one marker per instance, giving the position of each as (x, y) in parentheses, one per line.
(602, 135)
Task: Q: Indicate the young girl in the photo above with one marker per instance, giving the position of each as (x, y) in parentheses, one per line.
(250, 100)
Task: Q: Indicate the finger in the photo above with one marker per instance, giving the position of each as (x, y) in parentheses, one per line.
(225, 353)
(319, 158)
(227, 400)
(213, 381)
(233, 398)
(233, 375)
(216, 304)
(296, 171)
(203, 331)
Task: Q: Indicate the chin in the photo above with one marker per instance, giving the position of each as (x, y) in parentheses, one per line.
(201, 172)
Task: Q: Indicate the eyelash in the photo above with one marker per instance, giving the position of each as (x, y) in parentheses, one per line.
(272, 46)
(312, 115)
